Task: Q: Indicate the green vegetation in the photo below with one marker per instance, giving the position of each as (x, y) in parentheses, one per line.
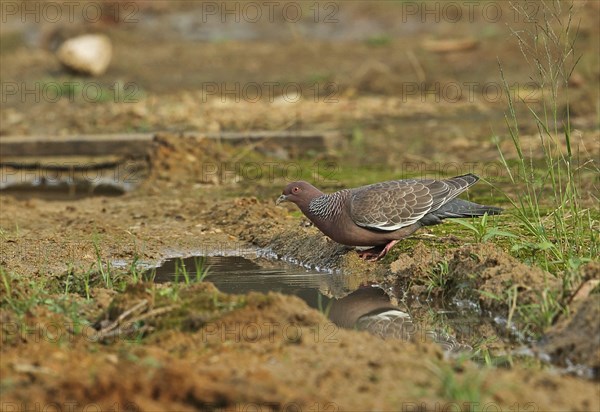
(480, 230)
(140, 307)
(24, 295)
(379, 40)
(103, 268)
(555, 230)
(438, 277)
(551, 220)
(567, 236)
(468, 387)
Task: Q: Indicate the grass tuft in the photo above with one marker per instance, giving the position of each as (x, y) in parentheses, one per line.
(565, 235)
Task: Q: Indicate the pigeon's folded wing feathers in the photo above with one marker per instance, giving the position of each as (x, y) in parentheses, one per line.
(444, 191)
(392, 205)
(389, 206)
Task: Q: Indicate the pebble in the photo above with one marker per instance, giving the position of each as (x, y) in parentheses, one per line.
(89, 54)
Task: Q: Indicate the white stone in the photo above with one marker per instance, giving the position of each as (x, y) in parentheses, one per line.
(89, 54)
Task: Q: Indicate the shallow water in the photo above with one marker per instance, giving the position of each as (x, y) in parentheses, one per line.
(351, 303)
(240, 275)
(364, 306)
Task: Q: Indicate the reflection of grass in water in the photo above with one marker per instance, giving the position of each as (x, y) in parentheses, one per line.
(323, 309)
(201, 270)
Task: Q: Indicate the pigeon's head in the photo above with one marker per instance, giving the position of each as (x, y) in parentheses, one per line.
(300, 193)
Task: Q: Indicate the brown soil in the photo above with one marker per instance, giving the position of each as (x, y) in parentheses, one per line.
(575, 339)
(484, 269)
(273, 352)
(174, 347)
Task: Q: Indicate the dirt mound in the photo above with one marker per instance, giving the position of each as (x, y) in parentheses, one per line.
(574, 341)
(494, 272)
(249, 219)
(416, 264)
(271, 352)
(180, 161)
(480, 272)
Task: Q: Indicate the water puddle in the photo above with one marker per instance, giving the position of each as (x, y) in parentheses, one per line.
(357, 303)
(240, 275)
(69, 179)
(348, 301)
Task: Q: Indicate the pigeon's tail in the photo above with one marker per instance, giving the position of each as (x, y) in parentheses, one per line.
(464, 208)
(458, 208)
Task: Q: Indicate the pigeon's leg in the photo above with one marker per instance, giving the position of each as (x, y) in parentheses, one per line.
(386, 249)
(376, 253)
(370, 254)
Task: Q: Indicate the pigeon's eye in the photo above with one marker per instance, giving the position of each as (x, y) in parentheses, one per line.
(296, 189)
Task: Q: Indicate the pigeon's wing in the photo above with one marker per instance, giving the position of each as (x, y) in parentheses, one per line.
(444, 191)
(392, 205)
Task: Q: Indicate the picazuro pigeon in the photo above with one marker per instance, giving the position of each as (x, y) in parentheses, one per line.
(382, 213)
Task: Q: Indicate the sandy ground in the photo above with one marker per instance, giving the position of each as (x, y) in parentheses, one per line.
(147, 346)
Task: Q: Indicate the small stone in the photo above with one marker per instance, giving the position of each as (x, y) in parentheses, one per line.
(112, 358)
(450, 45)
(89, 54)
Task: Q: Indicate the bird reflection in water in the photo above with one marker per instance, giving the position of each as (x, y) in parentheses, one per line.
(369, 309)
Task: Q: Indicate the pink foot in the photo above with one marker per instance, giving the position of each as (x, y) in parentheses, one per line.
(387, 248)
(374, 254)
(370, 254)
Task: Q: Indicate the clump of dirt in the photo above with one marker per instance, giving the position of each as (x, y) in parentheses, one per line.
(575, 340)
(483, 268)
(249, 219)
(144, 308)
(481, 272)
(494, 271)
(416, 265)
(182, 161)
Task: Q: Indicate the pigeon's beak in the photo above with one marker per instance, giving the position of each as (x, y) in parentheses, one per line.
(282, 198)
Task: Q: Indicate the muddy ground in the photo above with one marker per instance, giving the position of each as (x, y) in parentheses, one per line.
(72, 339)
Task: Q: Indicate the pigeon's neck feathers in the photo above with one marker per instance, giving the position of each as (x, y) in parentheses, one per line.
(328, 207)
